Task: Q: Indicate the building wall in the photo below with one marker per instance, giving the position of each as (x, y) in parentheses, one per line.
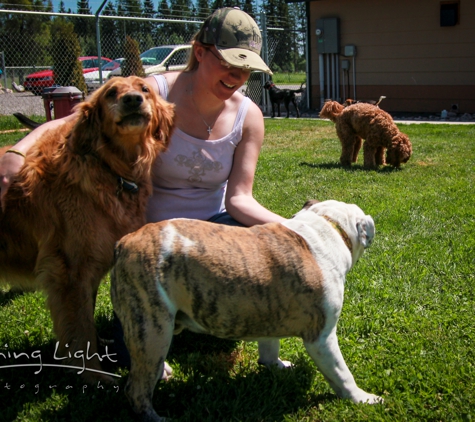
(402, 53)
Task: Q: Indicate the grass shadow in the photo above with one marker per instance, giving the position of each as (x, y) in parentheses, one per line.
(219, 394)
(353, 168)
(9, 296)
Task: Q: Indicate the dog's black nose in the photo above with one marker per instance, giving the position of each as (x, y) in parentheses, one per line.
(132, 99)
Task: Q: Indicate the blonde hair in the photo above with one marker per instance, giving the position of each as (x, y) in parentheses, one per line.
(192, 62)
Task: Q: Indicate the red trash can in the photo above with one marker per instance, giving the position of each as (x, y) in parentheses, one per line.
(61, 100)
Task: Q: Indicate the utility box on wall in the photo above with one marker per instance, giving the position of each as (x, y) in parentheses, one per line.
(328, 36)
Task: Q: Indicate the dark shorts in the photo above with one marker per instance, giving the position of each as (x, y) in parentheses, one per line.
(226, 219)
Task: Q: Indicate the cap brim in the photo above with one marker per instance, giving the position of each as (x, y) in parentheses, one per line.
(245, 59)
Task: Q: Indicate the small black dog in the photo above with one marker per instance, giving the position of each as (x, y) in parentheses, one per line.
(278, 95)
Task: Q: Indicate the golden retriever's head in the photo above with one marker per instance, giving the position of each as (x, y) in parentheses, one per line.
(331, 110)
(400, 150)
(124, 114)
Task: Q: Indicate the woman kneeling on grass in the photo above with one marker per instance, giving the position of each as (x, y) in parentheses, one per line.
(210, 165)
(208, 171)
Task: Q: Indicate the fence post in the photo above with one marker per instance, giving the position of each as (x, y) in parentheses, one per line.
(4, 70)
(98, 39)
(265, 57)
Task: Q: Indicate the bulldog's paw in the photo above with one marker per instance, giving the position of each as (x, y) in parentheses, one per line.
(167, 372)
(367, 398)
(281, 364)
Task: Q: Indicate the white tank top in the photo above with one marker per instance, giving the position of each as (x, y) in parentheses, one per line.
(190, 178)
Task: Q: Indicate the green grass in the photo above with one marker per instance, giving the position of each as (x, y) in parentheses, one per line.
(289, 78)
(406, 330)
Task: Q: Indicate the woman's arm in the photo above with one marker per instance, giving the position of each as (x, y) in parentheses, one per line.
(10, 164)
(240, 203)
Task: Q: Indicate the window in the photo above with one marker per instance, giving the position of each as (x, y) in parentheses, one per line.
(449, 13)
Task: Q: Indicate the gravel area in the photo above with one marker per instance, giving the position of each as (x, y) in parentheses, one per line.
(21, 102)
(32, 105)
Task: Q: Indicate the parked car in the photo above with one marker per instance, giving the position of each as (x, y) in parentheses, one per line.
(161, 59)
(92, 78)
(36, 82)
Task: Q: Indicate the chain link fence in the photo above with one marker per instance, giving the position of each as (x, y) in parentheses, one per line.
(28, 51)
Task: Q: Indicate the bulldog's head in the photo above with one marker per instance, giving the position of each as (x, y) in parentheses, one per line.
(354, 226)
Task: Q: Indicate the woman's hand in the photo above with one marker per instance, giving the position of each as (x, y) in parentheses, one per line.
(10, 165)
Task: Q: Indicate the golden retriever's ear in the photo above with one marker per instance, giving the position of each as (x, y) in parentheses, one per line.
(87, 130)
(163, 121)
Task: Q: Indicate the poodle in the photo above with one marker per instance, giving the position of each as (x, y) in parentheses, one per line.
(366, 121)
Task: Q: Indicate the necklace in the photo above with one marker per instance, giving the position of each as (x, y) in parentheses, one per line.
(209, 127)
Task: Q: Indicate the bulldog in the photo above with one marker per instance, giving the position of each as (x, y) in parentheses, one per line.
(262, 283)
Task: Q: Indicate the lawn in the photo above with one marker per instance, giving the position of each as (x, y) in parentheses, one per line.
(407, 328)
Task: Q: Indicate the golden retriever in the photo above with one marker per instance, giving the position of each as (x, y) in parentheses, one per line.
(83, 186)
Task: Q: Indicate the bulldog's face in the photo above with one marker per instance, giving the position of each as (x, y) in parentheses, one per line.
(356, 224)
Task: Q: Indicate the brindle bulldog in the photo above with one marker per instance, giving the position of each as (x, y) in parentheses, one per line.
(260, 283)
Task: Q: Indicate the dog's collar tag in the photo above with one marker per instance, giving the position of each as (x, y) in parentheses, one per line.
(343, 234)
(126, 185)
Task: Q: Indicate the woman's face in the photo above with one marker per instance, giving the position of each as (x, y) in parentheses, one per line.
(224, 79)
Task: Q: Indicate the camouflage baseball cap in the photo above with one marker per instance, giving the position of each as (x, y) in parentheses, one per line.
(237, 38)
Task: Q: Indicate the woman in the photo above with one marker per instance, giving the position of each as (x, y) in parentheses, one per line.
(208, 171)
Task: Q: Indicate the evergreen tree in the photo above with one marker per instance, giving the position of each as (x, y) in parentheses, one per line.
(62, 7)
(132, 64)
(148, 27)
(181, 9)
(133, 8)
(65, 52)
(164, 28)
(248, 7)
(83, 27)
(29, 36)
(298, 16)
(110, 34)
(202, 9)
(277, 15)
(217, 4)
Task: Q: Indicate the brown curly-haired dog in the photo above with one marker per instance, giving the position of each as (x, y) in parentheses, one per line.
(365, 121)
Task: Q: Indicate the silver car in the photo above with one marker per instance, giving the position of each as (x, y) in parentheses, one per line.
(161, 59)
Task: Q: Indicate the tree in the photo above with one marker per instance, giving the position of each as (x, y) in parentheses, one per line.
(67, 69)
(132, 63)
(277, 15)
(110, 36)
(147, 26)
(181, 9)
(83, 27)
(202, 9)
(248, 7)
(26, 37)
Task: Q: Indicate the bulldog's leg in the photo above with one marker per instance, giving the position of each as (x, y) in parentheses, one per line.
(329, 360)
(269, 353)
(147, 353)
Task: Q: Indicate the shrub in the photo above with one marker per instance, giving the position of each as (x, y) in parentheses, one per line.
(132, 63)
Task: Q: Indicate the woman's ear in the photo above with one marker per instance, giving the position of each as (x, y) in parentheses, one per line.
(198, 51)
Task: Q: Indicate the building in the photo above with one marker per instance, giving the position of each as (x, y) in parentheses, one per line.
(420, 54)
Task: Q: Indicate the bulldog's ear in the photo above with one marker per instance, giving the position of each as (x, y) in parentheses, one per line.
(366, 230)
(309, 203)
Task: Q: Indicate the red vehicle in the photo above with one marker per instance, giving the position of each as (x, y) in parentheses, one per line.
(36, 82)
